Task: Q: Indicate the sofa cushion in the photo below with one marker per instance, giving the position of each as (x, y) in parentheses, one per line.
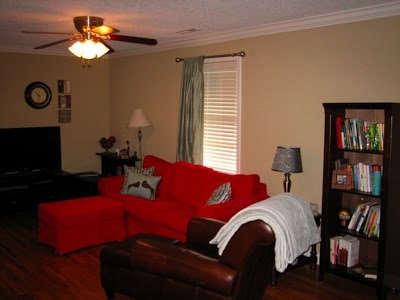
(140, 185)
(163, 217)
(110, 185)
(161, 168)
(186, 185)
(192, 185)
(243, 186)
(222, 194)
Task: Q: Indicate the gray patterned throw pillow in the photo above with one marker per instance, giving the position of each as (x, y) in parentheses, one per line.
(222, 194)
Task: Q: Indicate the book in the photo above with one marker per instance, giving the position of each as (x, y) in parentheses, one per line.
(370, 272)
(344, 250)
(339, 132)
(357, 134)
(352, 245)
(365, 271)
(354, 218)
(365, 209)
(334, 247)
(371, 227)
(374, 229)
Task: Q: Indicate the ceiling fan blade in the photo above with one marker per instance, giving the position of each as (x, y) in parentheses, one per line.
(104, 30)
(46, 32)
(108, 46)
(52, 44)
(133, 39)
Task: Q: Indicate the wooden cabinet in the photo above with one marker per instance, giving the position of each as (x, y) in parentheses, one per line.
(377, 251)
(26, 189)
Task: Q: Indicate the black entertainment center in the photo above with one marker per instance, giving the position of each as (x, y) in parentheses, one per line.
(30, 168)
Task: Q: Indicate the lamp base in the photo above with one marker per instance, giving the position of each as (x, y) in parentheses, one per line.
(287, 183)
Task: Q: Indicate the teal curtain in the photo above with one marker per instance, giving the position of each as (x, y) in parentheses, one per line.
(191, 120)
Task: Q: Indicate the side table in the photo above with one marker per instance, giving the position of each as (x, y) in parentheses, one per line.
(86, 183)
(112, 164)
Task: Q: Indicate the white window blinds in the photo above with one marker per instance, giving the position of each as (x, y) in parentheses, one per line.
(221, 140)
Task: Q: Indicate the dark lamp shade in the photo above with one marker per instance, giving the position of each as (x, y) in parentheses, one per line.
(287, 160)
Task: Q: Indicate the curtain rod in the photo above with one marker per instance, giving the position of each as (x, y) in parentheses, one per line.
(241, 53)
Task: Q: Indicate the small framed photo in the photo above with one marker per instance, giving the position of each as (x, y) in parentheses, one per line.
(64, 116)
(342, 180)
(64, 101)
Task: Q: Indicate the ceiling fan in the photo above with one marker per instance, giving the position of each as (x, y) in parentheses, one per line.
(91, 28)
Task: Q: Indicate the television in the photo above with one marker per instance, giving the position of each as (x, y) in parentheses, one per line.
(30, 149)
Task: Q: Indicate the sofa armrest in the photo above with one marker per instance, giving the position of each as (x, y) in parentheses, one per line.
(174, 261)
(223, 211)
(253, 239)
(110, 185)
(199, 233)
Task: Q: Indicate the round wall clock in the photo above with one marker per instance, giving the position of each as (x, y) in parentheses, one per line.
(38, 95)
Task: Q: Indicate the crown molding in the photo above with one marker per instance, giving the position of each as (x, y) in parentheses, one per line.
(354, 15)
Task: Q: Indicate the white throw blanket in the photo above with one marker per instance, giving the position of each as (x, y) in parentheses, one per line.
(291, 219)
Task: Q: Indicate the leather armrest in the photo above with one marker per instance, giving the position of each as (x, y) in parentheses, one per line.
(174, 261)
(199, 233)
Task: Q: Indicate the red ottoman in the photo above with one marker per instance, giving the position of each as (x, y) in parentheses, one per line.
(74, 224)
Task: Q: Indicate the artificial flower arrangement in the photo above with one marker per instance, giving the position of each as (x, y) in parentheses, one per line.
(107, 144)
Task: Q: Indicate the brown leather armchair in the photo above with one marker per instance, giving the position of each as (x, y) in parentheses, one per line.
(157, 268)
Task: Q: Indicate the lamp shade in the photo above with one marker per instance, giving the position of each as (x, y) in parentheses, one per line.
(88, 49)
(287, 160)
(139, 119)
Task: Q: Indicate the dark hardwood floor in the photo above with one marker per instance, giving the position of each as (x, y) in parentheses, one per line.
(30, 270)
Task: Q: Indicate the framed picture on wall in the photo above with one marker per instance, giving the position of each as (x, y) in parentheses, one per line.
(64, 116)
(64, 101)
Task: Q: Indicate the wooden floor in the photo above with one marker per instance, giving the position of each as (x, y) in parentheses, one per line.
(30, 270)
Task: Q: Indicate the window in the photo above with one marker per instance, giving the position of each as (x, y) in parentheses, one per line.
(222, 95)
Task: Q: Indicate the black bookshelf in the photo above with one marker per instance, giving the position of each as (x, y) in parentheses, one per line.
(380, 252)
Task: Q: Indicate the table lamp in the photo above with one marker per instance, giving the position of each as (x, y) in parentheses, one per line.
(287, 160)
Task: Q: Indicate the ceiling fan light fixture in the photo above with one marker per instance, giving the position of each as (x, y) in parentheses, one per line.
(88, 49)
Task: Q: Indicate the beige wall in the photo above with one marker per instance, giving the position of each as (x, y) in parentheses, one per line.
(286, 78)
(90, 103)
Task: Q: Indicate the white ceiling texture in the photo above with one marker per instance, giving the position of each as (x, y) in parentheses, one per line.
(175, 23)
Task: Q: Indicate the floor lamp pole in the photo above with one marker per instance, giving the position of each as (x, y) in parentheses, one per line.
(139, 135)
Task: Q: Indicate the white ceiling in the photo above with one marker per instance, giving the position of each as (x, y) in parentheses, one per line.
(216, 20)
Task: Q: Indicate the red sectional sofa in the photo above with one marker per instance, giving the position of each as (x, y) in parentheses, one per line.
(181, 194)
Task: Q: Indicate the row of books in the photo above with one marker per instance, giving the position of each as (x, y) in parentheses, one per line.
(366, 219)
(344, 250)
(366, 176)
(357, 134)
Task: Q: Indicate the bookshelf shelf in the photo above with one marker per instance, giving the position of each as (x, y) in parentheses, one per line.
(351, 274)
(357, 192)
(351, 148)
